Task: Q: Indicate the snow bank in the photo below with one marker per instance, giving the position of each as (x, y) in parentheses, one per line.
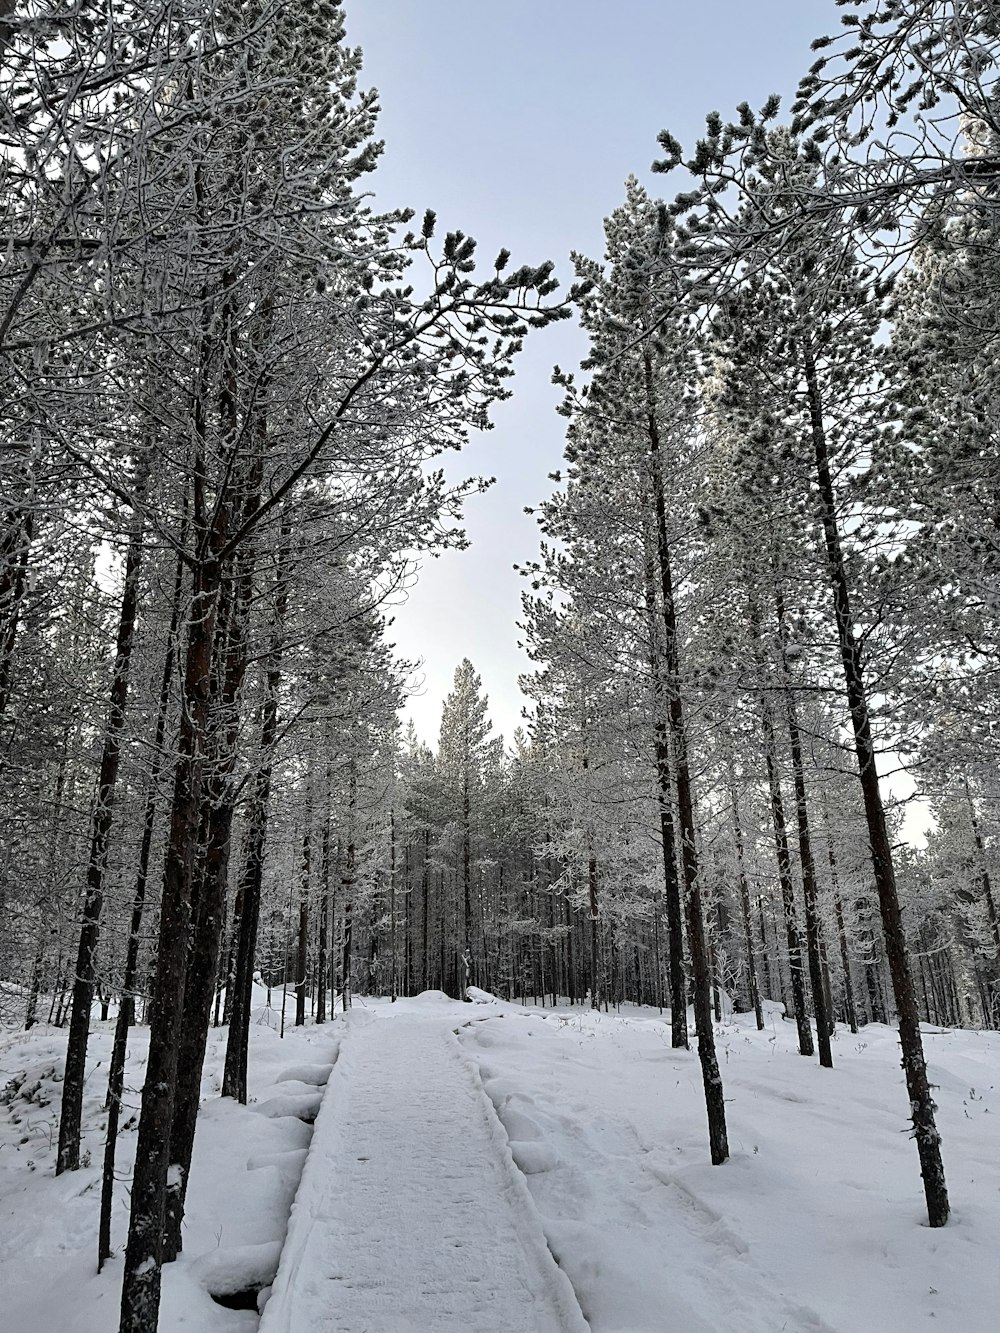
(302, 1105)
(225, 1272)
(815, 1223)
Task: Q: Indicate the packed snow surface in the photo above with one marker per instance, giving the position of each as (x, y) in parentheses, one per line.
(497, 1168)
(411, 1214)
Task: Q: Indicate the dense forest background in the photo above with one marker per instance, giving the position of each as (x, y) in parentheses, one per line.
(768, 578)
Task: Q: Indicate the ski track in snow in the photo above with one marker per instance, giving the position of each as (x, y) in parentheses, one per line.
(610, 1210)
(411, 1217)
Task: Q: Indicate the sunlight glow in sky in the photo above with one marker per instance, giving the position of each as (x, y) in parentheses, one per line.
(518, 124)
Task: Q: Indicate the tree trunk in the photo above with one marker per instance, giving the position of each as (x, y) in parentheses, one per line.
(711, 1078)
(322, 949)
(425, 885)
(845, 957)
(781, 853)
(665, 800)
(144, 1252)
(234, 1082)
(810, 889)
(68, 1157)
(347, 880)
(392, 906)
(752, 984)
(210, 885)
(14, 553)
(302, 953)
(914, 1065)
(466, 960)
(126, 1009)
(984, 874)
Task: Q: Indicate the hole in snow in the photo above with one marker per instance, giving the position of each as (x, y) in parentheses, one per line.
(239, 1300)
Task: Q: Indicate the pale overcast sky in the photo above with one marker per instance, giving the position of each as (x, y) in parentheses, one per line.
(518, 124)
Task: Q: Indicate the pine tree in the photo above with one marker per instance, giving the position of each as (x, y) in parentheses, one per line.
(462, 753)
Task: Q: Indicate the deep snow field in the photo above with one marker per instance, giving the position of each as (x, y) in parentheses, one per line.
(598, 1133)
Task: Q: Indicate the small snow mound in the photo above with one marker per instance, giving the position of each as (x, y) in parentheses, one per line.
(533, 1158)
(289, 1163)
(518, 1125)
(478, 996)
(243, 1267)
(304, 1105)
(317, 1075)
(430, 997)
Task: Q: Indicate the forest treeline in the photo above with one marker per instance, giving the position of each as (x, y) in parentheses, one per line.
(768, 579)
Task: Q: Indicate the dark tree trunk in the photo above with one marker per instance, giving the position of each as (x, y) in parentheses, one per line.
(845, 957)
(752, 985)
(810, 888)
(595, 950)
(347, 879)
(322, 942)
(425, 884)
(665, 799)
(68, 1157)
(984, 875)
(711, 1078)
(345, 994)
(765, 954)
(207, 918)
(234, 1081)
(14, 553)
(144, 1252)
(467, 974)
(302, 952)
(210, 884)
(392, 906)
(34, 990)
(781, 853)
(914, 1065)
(126, 1009)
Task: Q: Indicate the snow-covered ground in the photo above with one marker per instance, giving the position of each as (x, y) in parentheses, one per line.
(246, 1168)
(455, 1141)
(815, 1223)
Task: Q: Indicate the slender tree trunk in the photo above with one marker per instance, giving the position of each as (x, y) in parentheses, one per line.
(347, 880)
(234, 1082)
(810, 888)
(144, 1252)
(466, 960)
(765, 951)
(984, 875)
(210, 884)
(126, 1009)
(665, 800)
(752, 984)
(711, 1078)
(15, 548)
(34, 990)
(914, 1065)
(425, 981)
(392, 906)
(302, 954)
(781, 853)
(68, 1157)
(845, 957)
(348, 883)
(322, 952)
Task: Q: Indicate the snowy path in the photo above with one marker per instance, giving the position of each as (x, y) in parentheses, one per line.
(411, 1215)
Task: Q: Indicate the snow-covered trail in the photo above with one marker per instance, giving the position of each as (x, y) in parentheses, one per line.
(411, 1214)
